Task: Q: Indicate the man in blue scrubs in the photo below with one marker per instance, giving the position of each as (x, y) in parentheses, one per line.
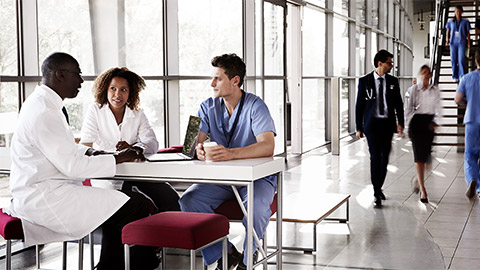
(469, 91)
(241, 125)
(458, 38)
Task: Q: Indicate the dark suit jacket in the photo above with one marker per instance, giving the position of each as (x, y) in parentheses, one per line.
(367, 103)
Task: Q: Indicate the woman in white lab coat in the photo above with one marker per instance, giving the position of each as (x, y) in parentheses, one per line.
(115, 122)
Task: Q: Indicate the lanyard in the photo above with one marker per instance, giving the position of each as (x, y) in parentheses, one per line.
(229, 135)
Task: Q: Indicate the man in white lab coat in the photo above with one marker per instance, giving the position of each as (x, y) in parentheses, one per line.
(48, 168)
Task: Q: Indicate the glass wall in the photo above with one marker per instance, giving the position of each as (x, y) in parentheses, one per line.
(340, 68)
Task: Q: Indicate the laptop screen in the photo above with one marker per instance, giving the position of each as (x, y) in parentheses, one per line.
(192, 132)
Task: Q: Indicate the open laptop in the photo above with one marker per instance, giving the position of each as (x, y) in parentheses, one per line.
(192, 132)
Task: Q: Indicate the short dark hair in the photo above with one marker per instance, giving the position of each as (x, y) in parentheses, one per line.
(135, 82)
(459, 7)
(55, 62)
(232, 64)
(381, 56)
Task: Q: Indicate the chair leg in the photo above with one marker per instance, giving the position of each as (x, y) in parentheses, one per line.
(37, 253)
(192, 259)
(127, 256)
(64, 256)
(80, 254)
(90, 240)
(265, 247)
(8, 255)
(224, 253)
(164, 258)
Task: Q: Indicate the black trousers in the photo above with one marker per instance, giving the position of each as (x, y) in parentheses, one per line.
(163, 195)
(112, 253)
(379, 145)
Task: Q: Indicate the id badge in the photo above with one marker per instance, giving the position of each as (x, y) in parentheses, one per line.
(457, 36)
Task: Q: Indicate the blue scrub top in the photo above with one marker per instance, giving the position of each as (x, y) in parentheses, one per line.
(462, 27)
(470, 87)
(254, 119)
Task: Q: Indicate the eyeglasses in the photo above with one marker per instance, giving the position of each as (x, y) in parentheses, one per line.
(79, 73)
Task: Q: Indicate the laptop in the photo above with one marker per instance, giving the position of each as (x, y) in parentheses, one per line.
(186, 154)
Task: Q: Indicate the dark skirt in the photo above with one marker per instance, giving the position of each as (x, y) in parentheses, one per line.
(422, 136)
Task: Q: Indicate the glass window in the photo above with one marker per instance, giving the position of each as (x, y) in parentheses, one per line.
(360, 51)
(207, 29)
(192, 94)
(274, 39)
(344, 101)
(361, 10)
(340, 50)
(78, 107)
(152, 103)
(374, 21)
(320, 3)
(64, 26)
(274, 100)
(8, 38)
(374, 44)
(341, 6)
(313, 114)
(8, 111)
(313, 43)
(144, 44)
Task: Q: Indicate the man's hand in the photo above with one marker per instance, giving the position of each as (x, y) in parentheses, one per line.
(127, 155)
(200, 152)
(359, 134)
(399, 129)
(122, 145)
(218, 153)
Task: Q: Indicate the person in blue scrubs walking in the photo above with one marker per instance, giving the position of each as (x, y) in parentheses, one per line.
(458, 38)
(469, 91)
(241, 124)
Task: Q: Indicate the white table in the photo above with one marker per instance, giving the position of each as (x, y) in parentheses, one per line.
(235, 172)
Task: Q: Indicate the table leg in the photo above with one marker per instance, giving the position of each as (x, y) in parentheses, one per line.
(249, 226)
(279, 218)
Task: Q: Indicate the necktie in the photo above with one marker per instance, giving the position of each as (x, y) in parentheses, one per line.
(66, 114)
(381, 109)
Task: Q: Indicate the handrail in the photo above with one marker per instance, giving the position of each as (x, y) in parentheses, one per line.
(436, 58)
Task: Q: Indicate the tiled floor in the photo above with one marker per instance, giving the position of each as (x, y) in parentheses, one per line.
(403, 234)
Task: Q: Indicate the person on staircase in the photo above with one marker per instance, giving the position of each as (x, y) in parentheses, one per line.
(458, 38)
(468, 92)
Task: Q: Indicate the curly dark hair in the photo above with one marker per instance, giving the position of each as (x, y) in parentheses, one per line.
(135, 82)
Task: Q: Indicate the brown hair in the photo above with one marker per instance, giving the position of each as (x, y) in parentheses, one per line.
(135, 82)
(232, 65)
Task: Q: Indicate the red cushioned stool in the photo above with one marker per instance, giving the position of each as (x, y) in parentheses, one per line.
(193, 231)
(11, 229)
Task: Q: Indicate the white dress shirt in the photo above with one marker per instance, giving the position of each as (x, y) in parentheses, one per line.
(101, 129)
(47, 172)
(377, 87)
(423, 101)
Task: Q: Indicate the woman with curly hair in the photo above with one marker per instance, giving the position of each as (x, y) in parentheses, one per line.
(115, 122)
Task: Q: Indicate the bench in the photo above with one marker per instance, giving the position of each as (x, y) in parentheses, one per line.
(301, 208)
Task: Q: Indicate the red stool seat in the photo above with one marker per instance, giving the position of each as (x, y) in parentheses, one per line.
(10, 227)
(176, 230)
(232, 210)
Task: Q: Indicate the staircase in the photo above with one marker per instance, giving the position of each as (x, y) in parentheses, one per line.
(451, 131)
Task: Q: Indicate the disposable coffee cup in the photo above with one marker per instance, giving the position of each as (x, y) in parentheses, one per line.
(207, 146)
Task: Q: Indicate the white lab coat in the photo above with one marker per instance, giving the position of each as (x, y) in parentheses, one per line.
(47, 172)
(101, 129)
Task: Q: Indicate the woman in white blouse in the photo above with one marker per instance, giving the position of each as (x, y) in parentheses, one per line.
(115, 122)
(423, 105)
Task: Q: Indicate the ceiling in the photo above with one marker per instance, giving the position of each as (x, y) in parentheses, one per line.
(425, 5)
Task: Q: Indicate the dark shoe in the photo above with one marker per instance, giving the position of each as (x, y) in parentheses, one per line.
(233, 259)
(472, 189)
(242, 266)
(378, 202)
(382, 196)
(424, 200)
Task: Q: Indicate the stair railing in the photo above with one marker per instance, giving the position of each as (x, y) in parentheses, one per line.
(440, 37)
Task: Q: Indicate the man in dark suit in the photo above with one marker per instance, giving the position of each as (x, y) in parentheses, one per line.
(379, 106)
